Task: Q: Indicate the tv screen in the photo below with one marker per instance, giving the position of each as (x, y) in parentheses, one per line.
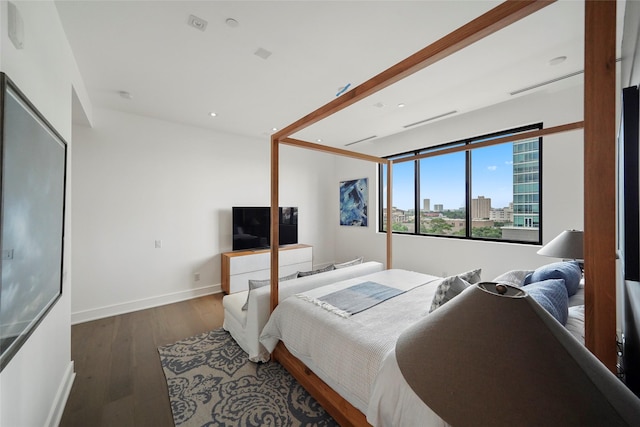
(252, 227)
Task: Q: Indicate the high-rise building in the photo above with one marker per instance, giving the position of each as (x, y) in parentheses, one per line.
(438, 208)
(526, 184)
(426, 205)
(480, 208)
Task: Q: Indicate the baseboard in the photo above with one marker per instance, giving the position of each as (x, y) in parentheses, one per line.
(128, 307)
(57, 409)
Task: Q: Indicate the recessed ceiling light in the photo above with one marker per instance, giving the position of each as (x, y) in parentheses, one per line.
(378, 104)
(319, 140)
(232, 23)
(401, 105)
(274, 129)
(213, 114)
(197, 23)
(557, 60)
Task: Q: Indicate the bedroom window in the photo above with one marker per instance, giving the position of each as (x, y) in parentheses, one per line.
(484, 193)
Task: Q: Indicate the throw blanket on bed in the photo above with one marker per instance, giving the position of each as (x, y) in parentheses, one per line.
(355, 299)
(346, 301)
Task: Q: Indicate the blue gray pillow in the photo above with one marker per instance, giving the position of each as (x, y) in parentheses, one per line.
(552, 295)
(329, 267)
(569, 271)
(255, 284)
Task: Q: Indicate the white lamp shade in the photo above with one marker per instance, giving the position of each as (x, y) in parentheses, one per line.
(484, 359)
(566, 245)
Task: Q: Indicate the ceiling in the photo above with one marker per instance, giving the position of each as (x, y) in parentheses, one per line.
(284, 59)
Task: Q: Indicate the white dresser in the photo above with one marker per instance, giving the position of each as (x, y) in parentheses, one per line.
(240, 266)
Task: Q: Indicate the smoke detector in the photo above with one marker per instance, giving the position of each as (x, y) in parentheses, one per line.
(262, 53)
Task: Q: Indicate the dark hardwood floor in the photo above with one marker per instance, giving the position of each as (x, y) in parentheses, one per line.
(119, 380)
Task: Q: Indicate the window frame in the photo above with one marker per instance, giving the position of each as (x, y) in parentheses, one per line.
(467, 142)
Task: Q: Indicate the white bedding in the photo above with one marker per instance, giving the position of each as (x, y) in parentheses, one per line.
(393, 402)
(347, 352)
(355, 355)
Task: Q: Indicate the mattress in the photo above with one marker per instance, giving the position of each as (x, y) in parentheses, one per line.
(347, 352)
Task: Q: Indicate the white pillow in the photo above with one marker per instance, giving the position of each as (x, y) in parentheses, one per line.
(349, 263)
(575, 322)
(449, 288)
(513, 277)
(471, 276)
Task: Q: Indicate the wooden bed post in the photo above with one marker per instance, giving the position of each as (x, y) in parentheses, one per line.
(275, 232)
(599, 73)
(599, 180)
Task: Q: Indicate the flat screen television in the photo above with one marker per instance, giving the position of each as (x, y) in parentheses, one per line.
(252, 227)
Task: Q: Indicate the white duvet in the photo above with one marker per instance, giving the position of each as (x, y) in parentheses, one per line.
(356, 355)
(347, 353)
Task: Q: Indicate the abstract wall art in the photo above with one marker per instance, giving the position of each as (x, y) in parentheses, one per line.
(354, 202)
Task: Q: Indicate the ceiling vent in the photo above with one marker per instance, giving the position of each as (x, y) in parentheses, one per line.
(557, 79)
(535, 86)
(197, 23)
(430, 119)
(361, 140)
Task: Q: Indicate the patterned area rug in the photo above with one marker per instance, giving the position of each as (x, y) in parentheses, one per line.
(212, 383)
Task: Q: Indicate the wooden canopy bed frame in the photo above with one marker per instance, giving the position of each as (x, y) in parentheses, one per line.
(599, 173)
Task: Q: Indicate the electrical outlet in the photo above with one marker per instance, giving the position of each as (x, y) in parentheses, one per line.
(158, 244)
(196, 277)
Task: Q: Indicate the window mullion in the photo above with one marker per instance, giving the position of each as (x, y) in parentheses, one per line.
(416, 199)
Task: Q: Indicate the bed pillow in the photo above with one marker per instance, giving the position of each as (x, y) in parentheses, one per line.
(349, 263)
(569, 271)
(449, 288)
(552, 295)
(255, 284)
(471, 276)
(513, 277)
(319, 270)
(575, 322)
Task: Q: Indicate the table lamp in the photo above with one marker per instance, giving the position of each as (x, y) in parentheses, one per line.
(566, 245)
(493, 356)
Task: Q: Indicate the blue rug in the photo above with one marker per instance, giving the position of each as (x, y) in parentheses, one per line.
(212, 383)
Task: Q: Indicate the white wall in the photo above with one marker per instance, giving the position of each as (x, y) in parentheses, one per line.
(35, 384)
(562, 189)
(139, 179)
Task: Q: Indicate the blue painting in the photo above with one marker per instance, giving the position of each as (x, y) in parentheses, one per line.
(354, 202)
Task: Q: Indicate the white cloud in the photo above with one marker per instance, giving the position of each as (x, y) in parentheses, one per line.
(492, 168)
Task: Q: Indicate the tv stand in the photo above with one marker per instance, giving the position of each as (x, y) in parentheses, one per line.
(238, 267)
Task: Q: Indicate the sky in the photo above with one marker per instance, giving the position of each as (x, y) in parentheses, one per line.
(443, 179)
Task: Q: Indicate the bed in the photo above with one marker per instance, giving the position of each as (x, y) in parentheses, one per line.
(599, 158)
(346, 352)
(354, 353)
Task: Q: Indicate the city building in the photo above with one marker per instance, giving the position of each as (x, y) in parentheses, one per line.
(480, 207)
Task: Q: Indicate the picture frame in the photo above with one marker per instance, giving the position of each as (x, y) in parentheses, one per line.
(33, 159)
(354, 202)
